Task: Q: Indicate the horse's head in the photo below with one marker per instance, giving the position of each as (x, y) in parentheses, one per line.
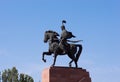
(46, 36)
(50, 35)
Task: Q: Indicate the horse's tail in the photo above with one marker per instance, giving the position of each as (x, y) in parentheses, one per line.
(79, 52)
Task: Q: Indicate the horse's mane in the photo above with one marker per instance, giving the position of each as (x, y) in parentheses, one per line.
(51, 31)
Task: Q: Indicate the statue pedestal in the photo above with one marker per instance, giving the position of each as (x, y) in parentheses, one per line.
(65, 74)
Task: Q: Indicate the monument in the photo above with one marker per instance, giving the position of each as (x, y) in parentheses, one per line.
(60, 46)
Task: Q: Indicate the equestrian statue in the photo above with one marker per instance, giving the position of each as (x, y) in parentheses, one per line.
(61, 46)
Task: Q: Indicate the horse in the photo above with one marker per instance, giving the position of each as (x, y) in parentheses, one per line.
(73, 50)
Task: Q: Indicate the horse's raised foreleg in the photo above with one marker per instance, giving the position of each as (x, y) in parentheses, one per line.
(45, 53)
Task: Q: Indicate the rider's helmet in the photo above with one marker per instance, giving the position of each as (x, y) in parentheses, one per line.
(63, 21)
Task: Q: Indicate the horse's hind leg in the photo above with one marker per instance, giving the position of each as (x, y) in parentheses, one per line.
(76, 65)
(70, 63)
(45, 53)
(73, 59)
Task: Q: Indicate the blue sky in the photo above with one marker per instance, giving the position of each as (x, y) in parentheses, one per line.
(96, 22)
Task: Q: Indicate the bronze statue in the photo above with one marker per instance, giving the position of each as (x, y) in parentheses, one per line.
(61, 46)
(64, 36)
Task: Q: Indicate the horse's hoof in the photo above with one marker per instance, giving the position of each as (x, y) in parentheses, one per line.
(44, 60)
(52, 65)
(76, 66)
(70, 65)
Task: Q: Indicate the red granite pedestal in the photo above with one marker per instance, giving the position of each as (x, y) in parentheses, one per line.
(65, 74)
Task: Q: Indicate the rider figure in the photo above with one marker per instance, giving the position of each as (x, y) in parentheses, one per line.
(64, 36)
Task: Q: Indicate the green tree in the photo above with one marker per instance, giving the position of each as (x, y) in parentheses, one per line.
(12, 75)
(25, 78)
(9, 75)
(21, 78)
(4, 76)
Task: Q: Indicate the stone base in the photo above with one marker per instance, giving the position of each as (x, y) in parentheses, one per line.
(65, 74)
